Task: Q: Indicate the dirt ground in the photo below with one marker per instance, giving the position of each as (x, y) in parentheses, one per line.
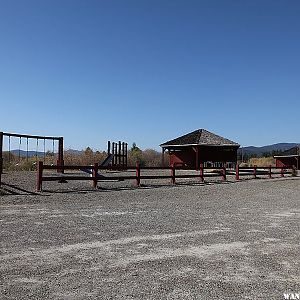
(232, 240)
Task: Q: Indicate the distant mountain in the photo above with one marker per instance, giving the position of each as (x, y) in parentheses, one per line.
(30, 153)
(259, 151)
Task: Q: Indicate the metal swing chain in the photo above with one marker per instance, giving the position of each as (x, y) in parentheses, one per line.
(44, 150)
(27, 150)
(20, 143)
(36, 150)
(9, 154)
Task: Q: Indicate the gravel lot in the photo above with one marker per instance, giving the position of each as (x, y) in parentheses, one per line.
(233, 240)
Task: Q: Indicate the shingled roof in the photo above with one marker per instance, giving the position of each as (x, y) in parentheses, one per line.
(199, 137)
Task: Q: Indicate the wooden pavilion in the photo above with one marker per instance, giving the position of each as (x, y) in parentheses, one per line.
(201, 147)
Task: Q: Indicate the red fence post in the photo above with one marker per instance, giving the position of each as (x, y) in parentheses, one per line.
(270, 171)
(201, 172)
(138, 174)
(1, 155)
(39, 176)
(60, 166)
(95, 175)
(60, 161)
(294, 171)
(254, 171)
(173, 173)
(223, 173)
(237, 172)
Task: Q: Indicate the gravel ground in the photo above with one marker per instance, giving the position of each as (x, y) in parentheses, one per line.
(233, 240)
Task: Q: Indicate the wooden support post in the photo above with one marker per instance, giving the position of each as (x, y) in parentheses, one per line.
(60, 161)
(116, 153)
(282, 172)
(223, 173)
(197, 158)
(39, 177)
(201, 172)
(123, 155)
(60, 166)
(1, 156)
(138, 174)
(95, 175)
(237, 172)
(173, 175)
(270, 171)
(163, 157)
(254, 172)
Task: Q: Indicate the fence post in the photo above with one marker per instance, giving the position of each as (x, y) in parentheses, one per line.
(282, 172)
(223, 173)
(254, 171)
(39, 176)
(60, 166)
(294, 171)
(237, 172)
(60, 161)
(95, 174)
(138, 174)
(270, 171)
(201, 172)
(1, 155)
(173, 173)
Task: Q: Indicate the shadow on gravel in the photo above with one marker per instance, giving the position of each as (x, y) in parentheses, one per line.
(141, 187)
(11, 189)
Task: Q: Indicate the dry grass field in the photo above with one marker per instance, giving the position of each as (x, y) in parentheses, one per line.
(233, 240)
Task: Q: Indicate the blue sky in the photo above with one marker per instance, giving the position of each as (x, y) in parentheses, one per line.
(149, 71)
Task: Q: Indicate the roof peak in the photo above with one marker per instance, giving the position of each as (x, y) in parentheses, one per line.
(202, 137)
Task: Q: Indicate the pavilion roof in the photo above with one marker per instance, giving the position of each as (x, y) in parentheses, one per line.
(199, 137)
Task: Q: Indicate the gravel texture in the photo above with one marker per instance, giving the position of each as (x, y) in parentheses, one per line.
(232, 240)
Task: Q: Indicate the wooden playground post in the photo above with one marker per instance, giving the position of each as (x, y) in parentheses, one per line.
(119, 153)
(95, 174)
(123, 155)
(39, 178)
(237, 172)
(138, 174)
(108, 147)
(126, 154)
(201, 170)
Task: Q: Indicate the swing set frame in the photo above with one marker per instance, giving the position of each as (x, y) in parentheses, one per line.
(60, 150)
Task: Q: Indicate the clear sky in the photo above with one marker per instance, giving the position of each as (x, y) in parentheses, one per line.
(148, 71)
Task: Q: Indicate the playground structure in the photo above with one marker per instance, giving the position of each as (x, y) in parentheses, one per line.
(117, 154)
(202, 173)
(59, 141)
(116, 158)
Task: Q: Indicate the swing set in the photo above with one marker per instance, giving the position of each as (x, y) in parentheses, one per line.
(23, 140)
